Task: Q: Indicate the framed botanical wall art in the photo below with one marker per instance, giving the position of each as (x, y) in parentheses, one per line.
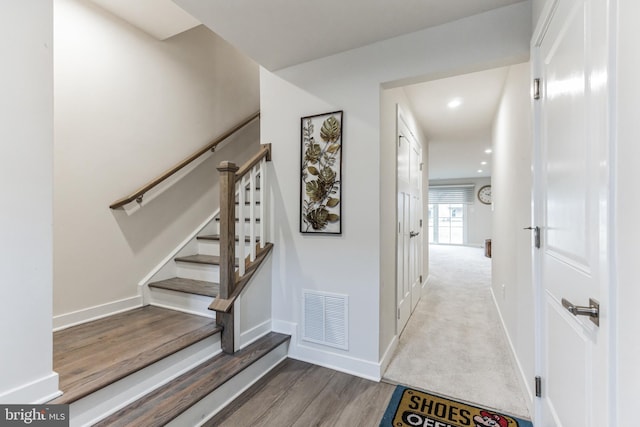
(321, 179)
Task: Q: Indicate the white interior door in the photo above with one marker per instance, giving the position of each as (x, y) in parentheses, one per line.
(415, 218)
(409, 250)
(572, 209)
(404, 229)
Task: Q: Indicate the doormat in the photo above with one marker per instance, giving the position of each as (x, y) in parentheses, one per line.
(411, 408)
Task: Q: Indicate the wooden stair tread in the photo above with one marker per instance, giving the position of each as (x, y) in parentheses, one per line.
(202, 259)
(93, 355)
(216, 237)
(167, 402)
(190, 286)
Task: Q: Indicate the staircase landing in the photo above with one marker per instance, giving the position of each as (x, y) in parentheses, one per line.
(93, 355)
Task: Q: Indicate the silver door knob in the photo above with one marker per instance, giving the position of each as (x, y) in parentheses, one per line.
(593, 311)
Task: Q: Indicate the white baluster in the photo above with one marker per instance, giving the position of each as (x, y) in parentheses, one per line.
(252, 214)
(263, 201)
(241, 201)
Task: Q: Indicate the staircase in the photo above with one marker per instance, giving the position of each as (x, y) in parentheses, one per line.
(151, 366)
(192, 278)
(204, 333)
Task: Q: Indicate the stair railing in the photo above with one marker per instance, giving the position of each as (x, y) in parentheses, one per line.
(140, 192)
(249, 183)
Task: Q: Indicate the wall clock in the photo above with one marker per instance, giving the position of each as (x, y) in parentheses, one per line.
(484, 194)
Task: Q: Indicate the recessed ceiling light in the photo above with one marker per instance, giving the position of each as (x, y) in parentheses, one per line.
(483, 163)
(479, 170)
(454, 103)
(488, 151)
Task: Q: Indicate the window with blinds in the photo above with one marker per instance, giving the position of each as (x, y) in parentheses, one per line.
(451, 194)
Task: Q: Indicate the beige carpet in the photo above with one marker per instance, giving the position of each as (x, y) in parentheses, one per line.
(454, 343)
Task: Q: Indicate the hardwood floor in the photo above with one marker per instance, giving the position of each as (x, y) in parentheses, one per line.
(89, 356)
(300, 394)
(163, 405)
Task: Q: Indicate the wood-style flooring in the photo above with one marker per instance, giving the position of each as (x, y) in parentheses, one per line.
(300, 394)
(95, 354)
(164, 404)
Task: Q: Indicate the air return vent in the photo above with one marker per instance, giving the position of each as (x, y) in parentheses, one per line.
(325, 318)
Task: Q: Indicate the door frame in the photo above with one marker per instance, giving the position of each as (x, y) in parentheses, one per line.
(607, 310)
(402, 116)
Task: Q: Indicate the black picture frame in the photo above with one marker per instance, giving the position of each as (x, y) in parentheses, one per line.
(321, 173)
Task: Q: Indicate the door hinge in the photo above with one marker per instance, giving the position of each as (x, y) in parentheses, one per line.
(398, 313)
(398, 227)
(420, 223)
(421, 166)
(536, 88)
(538, 386)
(421, 278)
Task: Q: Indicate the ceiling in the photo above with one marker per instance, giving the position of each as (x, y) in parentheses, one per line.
(458, 137)
(280, 33)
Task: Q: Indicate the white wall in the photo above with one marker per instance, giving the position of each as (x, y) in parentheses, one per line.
(627, 211)
(128, 107)
(479, 218)
(511, 245)
(351, 81)
(390, 100)
(26, 168)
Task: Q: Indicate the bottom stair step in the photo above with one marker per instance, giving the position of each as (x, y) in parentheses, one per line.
(174, 398)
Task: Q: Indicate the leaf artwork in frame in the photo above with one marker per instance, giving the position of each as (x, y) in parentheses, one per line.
(321, 178)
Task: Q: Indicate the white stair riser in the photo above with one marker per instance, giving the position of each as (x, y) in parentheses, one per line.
(88, 410)
(208, 273)
(213, 403)
(212, 247)
(181, 301)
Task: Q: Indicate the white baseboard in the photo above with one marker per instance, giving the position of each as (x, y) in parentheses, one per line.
(255, 333)
(63, 321)
(39, 391)
(523, 377)
(388, 355)
(338, 362)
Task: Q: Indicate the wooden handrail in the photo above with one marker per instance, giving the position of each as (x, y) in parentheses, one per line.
(265, 151)
(224, 305)
(139, 193)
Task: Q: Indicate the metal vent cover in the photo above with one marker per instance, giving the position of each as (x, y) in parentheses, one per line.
(325, 319)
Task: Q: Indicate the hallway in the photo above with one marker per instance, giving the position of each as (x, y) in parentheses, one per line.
(454, 343)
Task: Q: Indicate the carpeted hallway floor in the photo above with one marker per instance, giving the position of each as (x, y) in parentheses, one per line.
(454, 343)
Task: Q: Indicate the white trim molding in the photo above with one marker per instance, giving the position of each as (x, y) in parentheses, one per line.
(338, 362)
(39, 391)
(388, 355)
(63, 321)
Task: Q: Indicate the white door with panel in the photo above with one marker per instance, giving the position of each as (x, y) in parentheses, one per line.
(415, 218)
(409, 242)
(572, 210)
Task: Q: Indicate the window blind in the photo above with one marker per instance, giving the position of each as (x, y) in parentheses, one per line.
(451, 194)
